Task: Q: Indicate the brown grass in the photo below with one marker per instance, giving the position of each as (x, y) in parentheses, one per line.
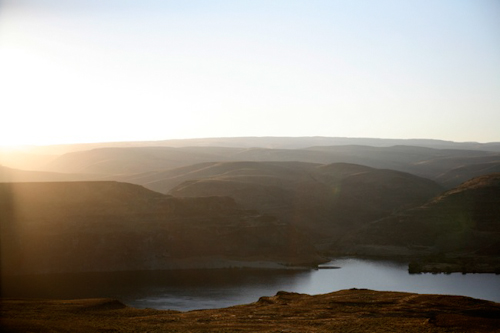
(342, 311)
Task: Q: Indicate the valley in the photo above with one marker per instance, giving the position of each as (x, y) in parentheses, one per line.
(142, 208)
(219, 206)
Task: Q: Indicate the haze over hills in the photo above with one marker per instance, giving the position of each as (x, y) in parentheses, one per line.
(129, 163)
(267, 142)
(148, 165)
(311, 195)
(463, 173)
(304, 142)
(15, 175)
(108, 226)
(427, 158)
(25, 160)
(116, 161)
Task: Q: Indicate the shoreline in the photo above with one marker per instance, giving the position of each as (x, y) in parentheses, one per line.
(416, 265)
(198, 263)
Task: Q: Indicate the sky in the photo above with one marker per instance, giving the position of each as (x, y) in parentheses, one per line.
(76, 71)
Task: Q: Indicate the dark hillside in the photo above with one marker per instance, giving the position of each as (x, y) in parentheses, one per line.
(456, 176)
(164, 181)
(109, 226)
(462, 220)
(324, 200)
(437, 167)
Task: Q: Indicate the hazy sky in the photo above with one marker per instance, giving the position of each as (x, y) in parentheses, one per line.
(119, 70)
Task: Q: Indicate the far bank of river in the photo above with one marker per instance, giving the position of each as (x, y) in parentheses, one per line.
(216, 288)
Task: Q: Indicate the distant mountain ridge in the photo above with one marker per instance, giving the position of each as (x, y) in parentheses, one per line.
(15, 175)
(133, 164)
(269, 142)
(449, 163)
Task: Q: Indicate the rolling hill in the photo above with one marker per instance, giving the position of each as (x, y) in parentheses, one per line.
(266, 142)
(326, 201)
(108, 226)
(457, 176)
(464, 221)
(144, 165)
(116, 161)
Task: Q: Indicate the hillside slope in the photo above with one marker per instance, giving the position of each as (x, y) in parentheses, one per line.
(109, 226)
(268, 142)
(326, 201)
(458, 175)
(464, 220)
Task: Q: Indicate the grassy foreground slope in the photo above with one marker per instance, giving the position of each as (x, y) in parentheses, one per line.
(109, 226)
(343, 311)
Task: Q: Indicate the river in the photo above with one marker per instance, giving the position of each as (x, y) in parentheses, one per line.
(201, 289)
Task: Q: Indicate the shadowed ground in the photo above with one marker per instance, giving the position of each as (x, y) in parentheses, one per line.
(343, 311)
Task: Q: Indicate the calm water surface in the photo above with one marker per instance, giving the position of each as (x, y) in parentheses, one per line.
(202, 289)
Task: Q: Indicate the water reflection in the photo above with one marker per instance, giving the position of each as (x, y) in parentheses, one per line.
(201, 289)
